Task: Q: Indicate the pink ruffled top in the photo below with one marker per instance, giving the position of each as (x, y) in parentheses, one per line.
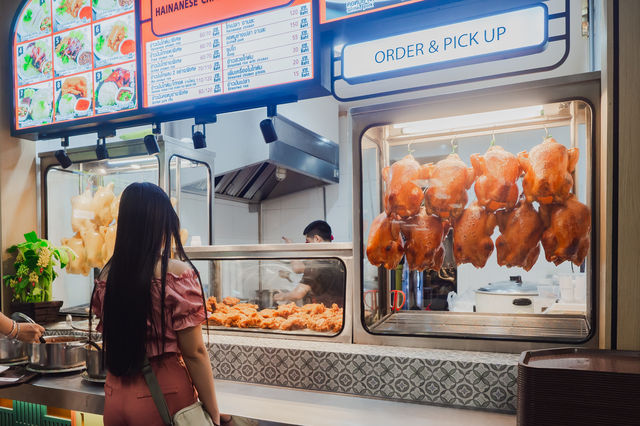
(182, 307)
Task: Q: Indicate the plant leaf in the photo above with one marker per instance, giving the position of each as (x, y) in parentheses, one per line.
(31, 237)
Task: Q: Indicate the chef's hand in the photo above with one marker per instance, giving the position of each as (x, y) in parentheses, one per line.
(287, 240)
(225, 419)
(279, 296)
(30, 333)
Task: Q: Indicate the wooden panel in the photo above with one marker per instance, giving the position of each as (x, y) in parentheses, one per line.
(629, 177)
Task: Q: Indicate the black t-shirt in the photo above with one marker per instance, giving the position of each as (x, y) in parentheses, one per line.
(327, 281)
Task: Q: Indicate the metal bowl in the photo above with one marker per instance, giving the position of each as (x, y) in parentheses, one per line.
(95, 362)
(59, 353)
(12, 351)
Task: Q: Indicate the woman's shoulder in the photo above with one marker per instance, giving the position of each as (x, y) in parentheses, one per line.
(178, 267)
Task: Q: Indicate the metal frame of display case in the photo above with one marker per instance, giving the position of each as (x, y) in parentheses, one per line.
(169, 148)
(458, 330)
(339, 251)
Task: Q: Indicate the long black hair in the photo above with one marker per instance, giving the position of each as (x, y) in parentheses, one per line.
(147, 228)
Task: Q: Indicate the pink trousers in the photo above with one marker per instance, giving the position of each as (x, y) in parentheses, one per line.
(128, 400)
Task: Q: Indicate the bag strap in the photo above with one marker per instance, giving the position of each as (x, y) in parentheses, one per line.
(156, 392)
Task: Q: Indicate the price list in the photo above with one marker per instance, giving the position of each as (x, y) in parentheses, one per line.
(262, 50)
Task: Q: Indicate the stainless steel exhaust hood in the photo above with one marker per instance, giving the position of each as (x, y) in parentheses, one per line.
(297, 159)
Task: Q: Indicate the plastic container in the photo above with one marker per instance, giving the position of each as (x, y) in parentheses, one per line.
(566, 288)
(580, 288)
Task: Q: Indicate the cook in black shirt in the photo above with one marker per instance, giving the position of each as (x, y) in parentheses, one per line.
(323, 279)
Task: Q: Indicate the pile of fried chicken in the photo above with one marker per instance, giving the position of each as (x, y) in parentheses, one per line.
(423, 202)
(313, 316)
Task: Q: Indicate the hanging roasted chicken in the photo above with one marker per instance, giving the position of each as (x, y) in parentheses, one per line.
(497, 171)
(403, 195)
(424, 235)
(385, 242)
(566, 236)
(448, 182)
(472, 235)
(519, 243)
(548, 167)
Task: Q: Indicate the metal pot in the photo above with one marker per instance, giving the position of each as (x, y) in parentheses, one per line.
(12, 351)
(59, 353)
(265, 298)
(95, 361)
(506, 297)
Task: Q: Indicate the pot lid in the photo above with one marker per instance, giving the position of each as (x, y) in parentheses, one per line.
(514, 287)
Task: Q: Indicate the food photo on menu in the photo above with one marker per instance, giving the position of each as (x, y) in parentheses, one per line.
(72, 51)
(73, 97)
(35, 21)
(114, 41)
(34, 62)
(71, 13)
(35, 105)
(115, 89)
(106, 8)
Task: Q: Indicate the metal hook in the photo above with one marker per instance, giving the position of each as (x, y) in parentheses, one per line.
(454, 145)
(493, 138)
(547, 135)
(411, 151)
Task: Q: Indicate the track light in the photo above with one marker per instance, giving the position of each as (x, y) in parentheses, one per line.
(199, 137)
(151, 143)
(61, 154)
(101, 149)
(268, 130)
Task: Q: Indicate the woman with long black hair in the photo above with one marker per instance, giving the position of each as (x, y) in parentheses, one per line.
(151, 305)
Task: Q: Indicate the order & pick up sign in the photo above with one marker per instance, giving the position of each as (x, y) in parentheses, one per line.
(513, 33)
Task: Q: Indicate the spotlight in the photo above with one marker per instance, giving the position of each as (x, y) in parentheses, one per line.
(61, 154)
(101, 149)
(63, 158)
(151, 143)
(199, 137)
(268, 130)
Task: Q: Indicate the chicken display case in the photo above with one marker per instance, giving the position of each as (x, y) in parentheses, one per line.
(247, 288)
(78, 205)
(475, 218)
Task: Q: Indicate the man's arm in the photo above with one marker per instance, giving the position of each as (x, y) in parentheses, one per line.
(297, 293)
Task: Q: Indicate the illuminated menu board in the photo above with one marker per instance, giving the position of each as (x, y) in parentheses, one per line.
(73, 59)
(335, 10)
(271, 44)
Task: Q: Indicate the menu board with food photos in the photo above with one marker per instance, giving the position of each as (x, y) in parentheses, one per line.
(82, 65)
(73, 60)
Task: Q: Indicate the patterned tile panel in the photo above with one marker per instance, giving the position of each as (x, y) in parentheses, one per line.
(459, 383)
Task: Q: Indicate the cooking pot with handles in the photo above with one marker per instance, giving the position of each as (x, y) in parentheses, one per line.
(506, 297)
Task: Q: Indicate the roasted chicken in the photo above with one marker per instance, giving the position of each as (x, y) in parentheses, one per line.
(472, 235)
(497, 171)
(566, 236)
(449, 180)
(424, 235)
(101, 205)
(548, 167)
(77, 263)
(385, 242)
(403, 195)
(82, 214)
(519, 243)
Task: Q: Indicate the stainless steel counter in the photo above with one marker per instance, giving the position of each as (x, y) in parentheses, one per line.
(64, 391)
(273, 405)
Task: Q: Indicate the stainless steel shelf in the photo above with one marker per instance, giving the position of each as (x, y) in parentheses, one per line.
(459, 324)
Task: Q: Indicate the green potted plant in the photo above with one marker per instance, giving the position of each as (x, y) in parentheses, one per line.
(34, 275)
